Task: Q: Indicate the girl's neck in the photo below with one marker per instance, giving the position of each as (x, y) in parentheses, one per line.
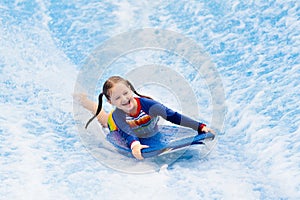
(134, 111)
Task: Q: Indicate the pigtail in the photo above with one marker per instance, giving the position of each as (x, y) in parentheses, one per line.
(135, 92)
(98, 109)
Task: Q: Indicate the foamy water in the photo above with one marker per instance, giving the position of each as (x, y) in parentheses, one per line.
(255, 48)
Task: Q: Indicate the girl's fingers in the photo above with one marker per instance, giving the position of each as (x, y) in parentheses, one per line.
(144, 146)
(138, 155)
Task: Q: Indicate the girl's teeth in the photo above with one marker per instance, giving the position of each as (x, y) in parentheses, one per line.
(125, 104)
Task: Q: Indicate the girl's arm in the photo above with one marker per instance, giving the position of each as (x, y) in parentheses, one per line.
(126, 132)
(155, 108)
(134, 144)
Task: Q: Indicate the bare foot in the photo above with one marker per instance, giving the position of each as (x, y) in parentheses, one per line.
(83, 99)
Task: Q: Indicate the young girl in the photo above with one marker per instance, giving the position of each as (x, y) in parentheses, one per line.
(134, 117)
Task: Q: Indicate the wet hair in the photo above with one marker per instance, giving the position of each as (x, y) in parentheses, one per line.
(109, 83)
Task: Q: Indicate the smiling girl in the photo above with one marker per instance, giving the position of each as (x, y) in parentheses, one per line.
(134, 117)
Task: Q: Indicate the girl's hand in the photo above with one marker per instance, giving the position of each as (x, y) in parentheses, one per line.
(136, 151)
(206, 130)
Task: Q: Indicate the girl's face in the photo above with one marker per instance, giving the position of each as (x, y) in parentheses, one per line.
(121, 96)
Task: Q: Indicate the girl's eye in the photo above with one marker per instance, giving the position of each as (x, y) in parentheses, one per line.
(117, 98)
(125, 93)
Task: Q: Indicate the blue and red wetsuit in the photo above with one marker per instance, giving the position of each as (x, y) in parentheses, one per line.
(144, 123)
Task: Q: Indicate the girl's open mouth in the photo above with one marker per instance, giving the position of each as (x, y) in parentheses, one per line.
(126, 104)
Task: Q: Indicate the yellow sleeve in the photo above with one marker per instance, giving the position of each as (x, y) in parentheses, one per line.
(111, 123)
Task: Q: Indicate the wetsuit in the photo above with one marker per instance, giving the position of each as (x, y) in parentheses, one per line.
(144, 122)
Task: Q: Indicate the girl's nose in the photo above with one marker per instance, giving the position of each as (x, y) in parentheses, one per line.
(123, 98)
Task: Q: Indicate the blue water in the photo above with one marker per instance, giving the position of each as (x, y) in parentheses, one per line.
(254, 45)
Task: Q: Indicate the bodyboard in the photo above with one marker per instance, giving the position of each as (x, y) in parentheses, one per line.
(167, 140)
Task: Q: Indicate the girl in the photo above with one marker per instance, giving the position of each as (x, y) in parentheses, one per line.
(134, 117)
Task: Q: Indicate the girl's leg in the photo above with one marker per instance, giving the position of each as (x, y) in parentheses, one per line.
(92, 106)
